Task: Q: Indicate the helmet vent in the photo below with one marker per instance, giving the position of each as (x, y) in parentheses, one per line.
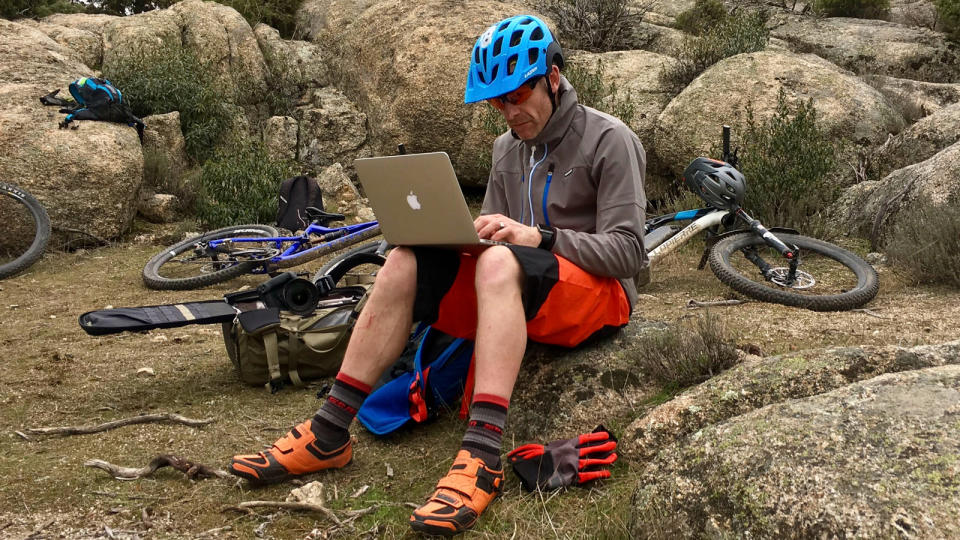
(497, 45)
(476, 55)
(481, 77)
(493, 74)
(515, 38)
(511, 64)
(537, 34)
(532, 56)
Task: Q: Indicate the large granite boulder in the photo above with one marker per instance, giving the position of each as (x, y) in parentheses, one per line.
(875, 459)
(217, 35)
(635, 77)
(332, 130)
(87, 178)
(922, 140)
(164, 138)
(927, 97)
(873, 46)
(872, 208)
(404, 65)
(847, 108)
(761, 382)
(294, 65)
(88, 44)
(280, 135)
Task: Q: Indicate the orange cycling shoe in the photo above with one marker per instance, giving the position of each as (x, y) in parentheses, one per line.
(461, 496)
(296, 454)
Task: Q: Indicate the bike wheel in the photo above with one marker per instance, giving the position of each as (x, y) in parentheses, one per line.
(28, 230)
(329, 247)
(368, 251)
(829, 278)
(190, 264)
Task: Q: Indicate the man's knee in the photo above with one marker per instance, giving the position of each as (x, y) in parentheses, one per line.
(498, 269)
(399, 272)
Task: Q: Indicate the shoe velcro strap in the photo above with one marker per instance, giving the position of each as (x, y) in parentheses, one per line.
(286, 444)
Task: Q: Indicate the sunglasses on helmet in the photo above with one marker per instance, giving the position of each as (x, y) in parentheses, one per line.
(516, 97)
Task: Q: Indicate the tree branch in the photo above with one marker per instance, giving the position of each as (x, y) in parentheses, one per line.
(142, 419)
(191, 469)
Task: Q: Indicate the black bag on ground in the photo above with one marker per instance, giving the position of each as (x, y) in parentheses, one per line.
(296, 195)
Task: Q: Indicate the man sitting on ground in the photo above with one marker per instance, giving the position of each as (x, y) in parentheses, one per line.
(566, 190)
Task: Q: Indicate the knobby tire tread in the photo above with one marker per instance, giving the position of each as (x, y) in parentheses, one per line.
(366, 248)
(151, 271)
(329, 247)
(865, 290)
(41, 237)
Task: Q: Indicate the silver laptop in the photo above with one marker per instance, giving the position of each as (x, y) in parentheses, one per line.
(418, 200)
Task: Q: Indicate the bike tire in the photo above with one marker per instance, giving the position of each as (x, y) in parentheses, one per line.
(153, 279)
(366, 249)
(329, 247)
(41, 235)
(858, 280)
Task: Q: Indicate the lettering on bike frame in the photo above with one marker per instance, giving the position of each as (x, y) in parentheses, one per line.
(705, 222)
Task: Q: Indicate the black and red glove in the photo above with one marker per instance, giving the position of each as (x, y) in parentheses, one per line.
(565, 462)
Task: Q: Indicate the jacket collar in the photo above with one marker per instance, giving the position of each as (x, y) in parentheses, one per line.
(561, 118)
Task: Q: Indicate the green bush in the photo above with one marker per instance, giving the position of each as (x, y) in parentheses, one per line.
(239, 185)
(704, 14)
(788, 161)
(866, 9)
(948, 13)
(926, 243)
(594, 25)
(736, 34)
(687, 354)
(35, 9)
(171, 79)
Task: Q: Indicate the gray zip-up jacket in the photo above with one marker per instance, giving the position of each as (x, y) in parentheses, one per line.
(583, 174)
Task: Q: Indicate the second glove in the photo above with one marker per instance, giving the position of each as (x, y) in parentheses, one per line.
(565, 462)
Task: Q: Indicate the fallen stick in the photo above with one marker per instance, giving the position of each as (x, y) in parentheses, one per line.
(246, 507)
(191, 469)
(693, 304)
(142, 419)
(870, 313)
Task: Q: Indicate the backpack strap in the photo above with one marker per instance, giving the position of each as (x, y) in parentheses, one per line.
(468, 388)
(264, 322)
(273, 362)
(293, 351)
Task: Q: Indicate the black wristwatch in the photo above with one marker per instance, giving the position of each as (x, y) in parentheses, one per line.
(548, 235)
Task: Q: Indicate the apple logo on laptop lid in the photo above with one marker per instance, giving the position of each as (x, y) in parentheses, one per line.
(413, 201)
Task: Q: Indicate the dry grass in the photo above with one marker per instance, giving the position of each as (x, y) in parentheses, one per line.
(54, 375)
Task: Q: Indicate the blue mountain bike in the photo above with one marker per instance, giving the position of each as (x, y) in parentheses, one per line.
(226, 253)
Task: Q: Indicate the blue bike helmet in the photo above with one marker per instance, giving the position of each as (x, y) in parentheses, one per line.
(508, 54)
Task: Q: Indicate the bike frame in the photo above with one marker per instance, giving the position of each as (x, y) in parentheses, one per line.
(296, 243)
(703, 218)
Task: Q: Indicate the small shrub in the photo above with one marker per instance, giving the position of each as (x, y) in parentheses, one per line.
(864, 9)
(595, 25)
(173, 79)
(687, 354)
(926, 243)
(239, 185)
(948, 16)
(704, 15)
(158, 175)
(736, 34)
(788, 161)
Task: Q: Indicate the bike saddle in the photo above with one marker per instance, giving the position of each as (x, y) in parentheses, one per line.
(316, 214)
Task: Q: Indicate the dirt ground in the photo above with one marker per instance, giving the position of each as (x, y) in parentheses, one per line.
(53, 374)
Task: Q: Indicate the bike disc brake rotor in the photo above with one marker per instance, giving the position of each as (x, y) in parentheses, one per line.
(802, 280)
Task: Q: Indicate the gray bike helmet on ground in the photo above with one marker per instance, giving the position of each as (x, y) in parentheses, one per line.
(716, 182)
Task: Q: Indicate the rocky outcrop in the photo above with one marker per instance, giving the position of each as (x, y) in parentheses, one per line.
(293, 64)
(87, 44)
(280, 137)
(873, 46)
(87, 178)
(847, 108)
(873, 459)
(760, 382)
(332, 130)
(634, 75)
(164, 138)
(341, 196)
(404, 65)
(926, 97)
(871, 209)
(922, 140)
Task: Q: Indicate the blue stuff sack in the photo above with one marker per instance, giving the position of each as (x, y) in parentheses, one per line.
(440, 374)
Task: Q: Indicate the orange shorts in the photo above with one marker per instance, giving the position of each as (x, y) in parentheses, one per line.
(564, 305)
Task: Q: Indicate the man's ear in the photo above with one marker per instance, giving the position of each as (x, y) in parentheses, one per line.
(554, 78)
